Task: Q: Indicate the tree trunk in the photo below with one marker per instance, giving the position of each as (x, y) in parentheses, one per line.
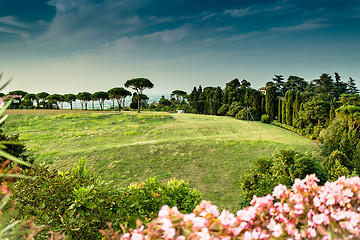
(138, 103)
(70, 105)
(119, 104)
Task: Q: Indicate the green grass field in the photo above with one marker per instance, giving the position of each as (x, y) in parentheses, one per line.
(209, 152)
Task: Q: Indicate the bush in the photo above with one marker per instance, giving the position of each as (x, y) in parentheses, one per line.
(305, 211)
(265, 118)
(79, 203)
(281, 168)
(223, 110)
(14, 147)
(251, 114)
(234, 109)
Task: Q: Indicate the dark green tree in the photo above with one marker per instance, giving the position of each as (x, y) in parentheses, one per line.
(289, 100)
(352, 86)
(119, 94)
(139, 85)
(70, 98)
(101, 96)
(270, 101)
(178, 95)
(42, 96)
(295, 83)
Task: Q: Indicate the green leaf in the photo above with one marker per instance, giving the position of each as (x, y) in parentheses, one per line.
(90, 205)
(15, 159)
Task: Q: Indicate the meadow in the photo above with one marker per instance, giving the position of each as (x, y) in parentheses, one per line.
(209, 152)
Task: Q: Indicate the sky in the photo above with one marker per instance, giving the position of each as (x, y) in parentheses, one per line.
(68, 46)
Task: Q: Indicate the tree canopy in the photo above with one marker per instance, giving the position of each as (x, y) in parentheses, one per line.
(139, 85)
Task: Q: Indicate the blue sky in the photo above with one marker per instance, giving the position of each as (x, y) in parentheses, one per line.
(67, 46)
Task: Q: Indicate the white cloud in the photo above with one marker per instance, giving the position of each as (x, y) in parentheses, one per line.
(168, 35)
(13, 21)
(300, 27)
(22, 34)
(238, 12)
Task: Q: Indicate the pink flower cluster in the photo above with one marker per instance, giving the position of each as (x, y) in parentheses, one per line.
(306, 211)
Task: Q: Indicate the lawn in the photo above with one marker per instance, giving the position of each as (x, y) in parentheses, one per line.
(209, 152)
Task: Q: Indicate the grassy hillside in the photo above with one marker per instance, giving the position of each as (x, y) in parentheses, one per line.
(210, 152)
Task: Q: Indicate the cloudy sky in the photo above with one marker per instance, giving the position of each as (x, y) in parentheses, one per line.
(68, 46)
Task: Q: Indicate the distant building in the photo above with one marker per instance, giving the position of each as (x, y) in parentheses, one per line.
(180, 111)
(263, 89)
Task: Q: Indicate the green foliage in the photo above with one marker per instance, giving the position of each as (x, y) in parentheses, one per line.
(80, 203)
(234, 109)
(223, 110)
(281, 168)
(250, 114)
(337, 164)
(270, 102)
(265, 119)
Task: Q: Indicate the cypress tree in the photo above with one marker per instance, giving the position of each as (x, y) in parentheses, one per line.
(289, 106)
(270, 102)
(296, 109)
(332, 111)
(279, 110)
(283, 111)
(263, 105)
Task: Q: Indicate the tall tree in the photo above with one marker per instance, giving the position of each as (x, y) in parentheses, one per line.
(295, 83)
(279, 83)
(325, 84)
(296, 109)
(21, 93)
(31, 97)
(119, 94)
(352, 86)
(270, 101)
(70, 98)
(279, 110)
(340, 86)
(289, 96)
(55, 98)
(139, 85)
(178, 95)
(86, 96)
(42, 96)
(101, 96)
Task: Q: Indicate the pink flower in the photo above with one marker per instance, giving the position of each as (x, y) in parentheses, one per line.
(126, 236)
(204, 234)
(320, 219)
(199, 222)
(189, 217)
(275, 228)
(279, 191)
(2, 103)
(137, 236)
(236, 231)
(181, 237)
(227, 218)
(210, 209)
(164, 211)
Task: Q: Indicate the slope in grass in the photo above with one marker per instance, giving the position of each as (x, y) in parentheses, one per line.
(210, 152)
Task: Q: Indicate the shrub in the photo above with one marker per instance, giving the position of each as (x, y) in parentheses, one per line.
(251, 114)
(223, 110)
(79, 203)
(234, 109)
(15, 147)
(305, 211)
(265, 118)
(281, 168)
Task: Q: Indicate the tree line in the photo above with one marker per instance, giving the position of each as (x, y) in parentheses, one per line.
(326, 109)
(118, 94)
